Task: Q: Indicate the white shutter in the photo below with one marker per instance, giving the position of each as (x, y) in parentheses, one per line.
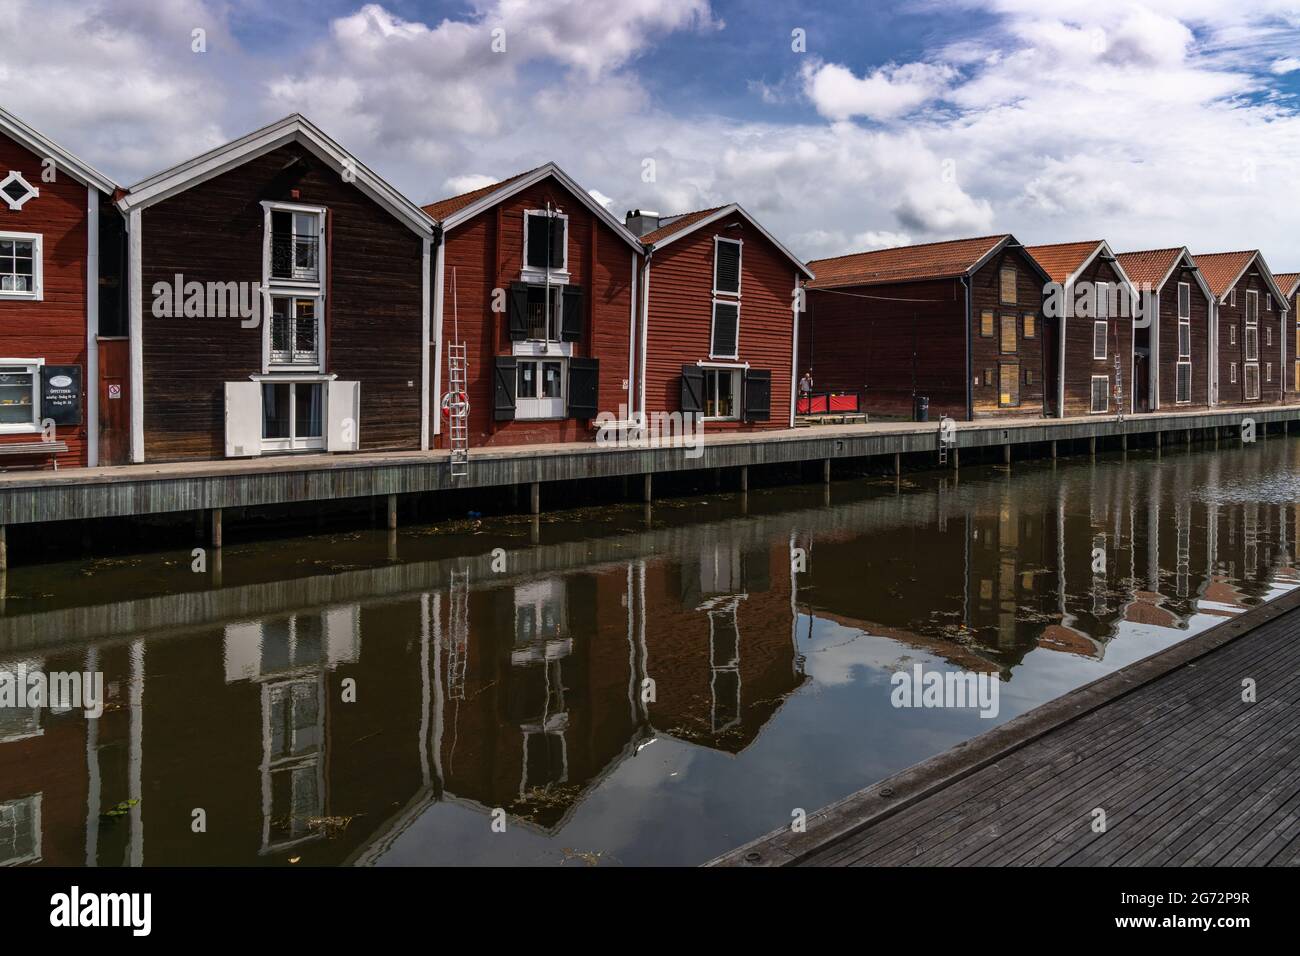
(243, 419)
(343, 419)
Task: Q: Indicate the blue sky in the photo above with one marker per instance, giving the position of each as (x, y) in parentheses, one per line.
(1145, 122)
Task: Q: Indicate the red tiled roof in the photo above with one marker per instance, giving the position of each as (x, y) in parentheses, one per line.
(1287, 281)
(1061, 260)
(932, 260)
(680, 222)
(1221, 268)
(1149, 267)
(445, 207)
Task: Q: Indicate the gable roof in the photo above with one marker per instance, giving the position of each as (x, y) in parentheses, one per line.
(458, 209)
(1287, 282)
(46, 148)
(931, 260)
(686, 223)
(293, 128)
(1223, 270)
(1065, 261)
(1152, 268)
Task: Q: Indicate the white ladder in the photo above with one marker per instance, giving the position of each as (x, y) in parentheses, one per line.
(459, 419)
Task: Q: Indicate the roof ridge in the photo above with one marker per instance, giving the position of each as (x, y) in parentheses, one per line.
(914, 245)
(468, 192)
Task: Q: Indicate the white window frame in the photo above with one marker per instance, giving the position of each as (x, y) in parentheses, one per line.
(536, 274)
(1268, 373)
(294, 443)
(1232, 373)
(737, 385)
(1245, 381)
(1092, 390)
(268, 365)
(713, 321)
(1105, 340)
(31, 366)
(1232, 297)
(740, 260)
(34, 800)
(1178, 368)
(542, 409)
(1184, 316)
(1184, 337)
(1232, 333)
(1101, 291)
(38, 285)
(547, 345)
(15, 176)
(290, 285)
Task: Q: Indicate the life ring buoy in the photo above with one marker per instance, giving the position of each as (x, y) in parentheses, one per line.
(454, 402)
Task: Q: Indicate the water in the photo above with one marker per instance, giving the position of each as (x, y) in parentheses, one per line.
(367, 698)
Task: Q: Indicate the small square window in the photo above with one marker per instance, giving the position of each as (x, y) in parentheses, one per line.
(16, 190)
(20, 265)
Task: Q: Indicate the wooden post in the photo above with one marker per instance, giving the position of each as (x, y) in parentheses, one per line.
(1006, 454)
(898, 464)
(744, 477)
(826, 471)
(216, 527)
(535, 498)
(392, 512)
(4, 548)
(1123, 442)
(647, 489)
(1092, 445)
(1053, 449)
(956, 458)
(1157, 441)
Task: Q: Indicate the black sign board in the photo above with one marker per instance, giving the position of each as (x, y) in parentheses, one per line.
(61, 394)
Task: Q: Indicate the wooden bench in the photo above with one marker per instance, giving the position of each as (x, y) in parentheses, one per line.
(51, 448)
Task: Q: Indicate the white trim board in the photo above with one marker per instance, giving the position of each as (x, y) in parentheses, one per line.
(45, 148)
(728, 210)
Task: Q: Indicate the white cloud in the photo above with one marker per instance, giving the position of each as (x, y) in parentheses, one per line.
(1287, 64)
(885, 93)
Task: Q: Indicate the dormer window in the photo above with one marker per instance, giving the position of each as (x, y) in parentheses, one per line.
(546, 244)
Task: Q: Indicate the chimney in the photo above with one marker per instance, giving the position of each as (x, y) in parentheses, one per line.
(641, 221)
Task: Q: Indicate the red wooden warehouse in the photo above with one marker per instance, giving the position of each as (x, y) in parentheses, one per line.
(958, 323)
(279, 303)
(60, 288)
(1095, 310)
(536, 281)
(1172, 343)
(718, 320)
(1250, 327)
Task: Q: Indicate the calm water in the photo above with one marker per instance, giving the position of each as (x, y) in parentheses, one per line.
(367, 698)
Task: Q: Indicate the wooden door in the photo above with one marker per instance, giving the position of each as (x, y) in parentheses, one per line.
(114, 402)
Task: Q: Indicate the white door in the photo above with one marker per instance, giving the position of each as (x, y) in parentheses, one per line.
(243, 419)
(343, 432)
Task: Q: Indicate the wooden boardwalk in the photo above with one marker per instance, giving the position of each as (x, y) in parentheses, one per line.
(1187, 773)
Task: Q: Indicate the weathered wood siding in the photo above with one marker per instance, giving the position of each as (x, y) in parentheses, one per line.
(486, 253)
(681, 317)
(212, 232)
(55, 327)
(1080, 366)
(987, 352)
(1200, 397)
(1232, 344)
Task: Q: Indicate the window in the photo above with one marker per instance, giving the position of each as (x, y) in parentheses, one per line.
(1029, 376)
(1232, 373)
(539, 388)
(296, 244)
(1100, 393)
(1029, 325)
(1232, 297)
(1268, 303)
(1268, 335)
(20, 265)
(1268, 371)
(544, 324)
(722, 393)
(20, 830)
(1252, 382)
(726, 266)
(16, 190)
(1183, 383)
(724, 342)
(1184, 339)
(546, 246)
(295, 331)
(293, 415)
(1252, 334)
(1102, 290)
(1008, 385)
(1008, 289)
(989, 378)
(1232, 335)
(1099, 333)
(1184, 300)
(986, 324)
(1297, 376)
(19, 396)
(1008, 342)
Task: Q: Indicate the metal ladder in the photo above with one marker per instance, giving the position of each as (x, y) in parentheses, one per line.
(459, 420)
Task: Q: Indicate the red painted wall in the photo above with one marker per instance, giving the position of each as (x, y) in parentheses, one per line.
(55, 327)
(681, 316)
(487, 253)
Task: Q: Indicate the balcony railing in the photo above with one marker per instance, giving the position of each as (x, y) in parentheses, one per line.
(294, 341)
(296, 258)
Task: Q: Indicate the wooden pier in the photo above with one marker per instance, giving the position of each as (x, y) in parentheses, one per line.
(150, 489)
(1186, 771)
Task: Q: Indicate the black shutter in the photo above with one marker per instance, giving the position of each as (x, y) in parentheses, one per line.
(726, 316)
(758, 395)
(584, 387)
(503, 388)
(692, 399)
(538, 232)
(557, 242)
(727, 268)
(571, 317)
(518, 311)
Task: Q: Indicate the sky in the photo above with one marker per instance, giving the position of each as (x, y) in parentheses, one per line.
(841, 126)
